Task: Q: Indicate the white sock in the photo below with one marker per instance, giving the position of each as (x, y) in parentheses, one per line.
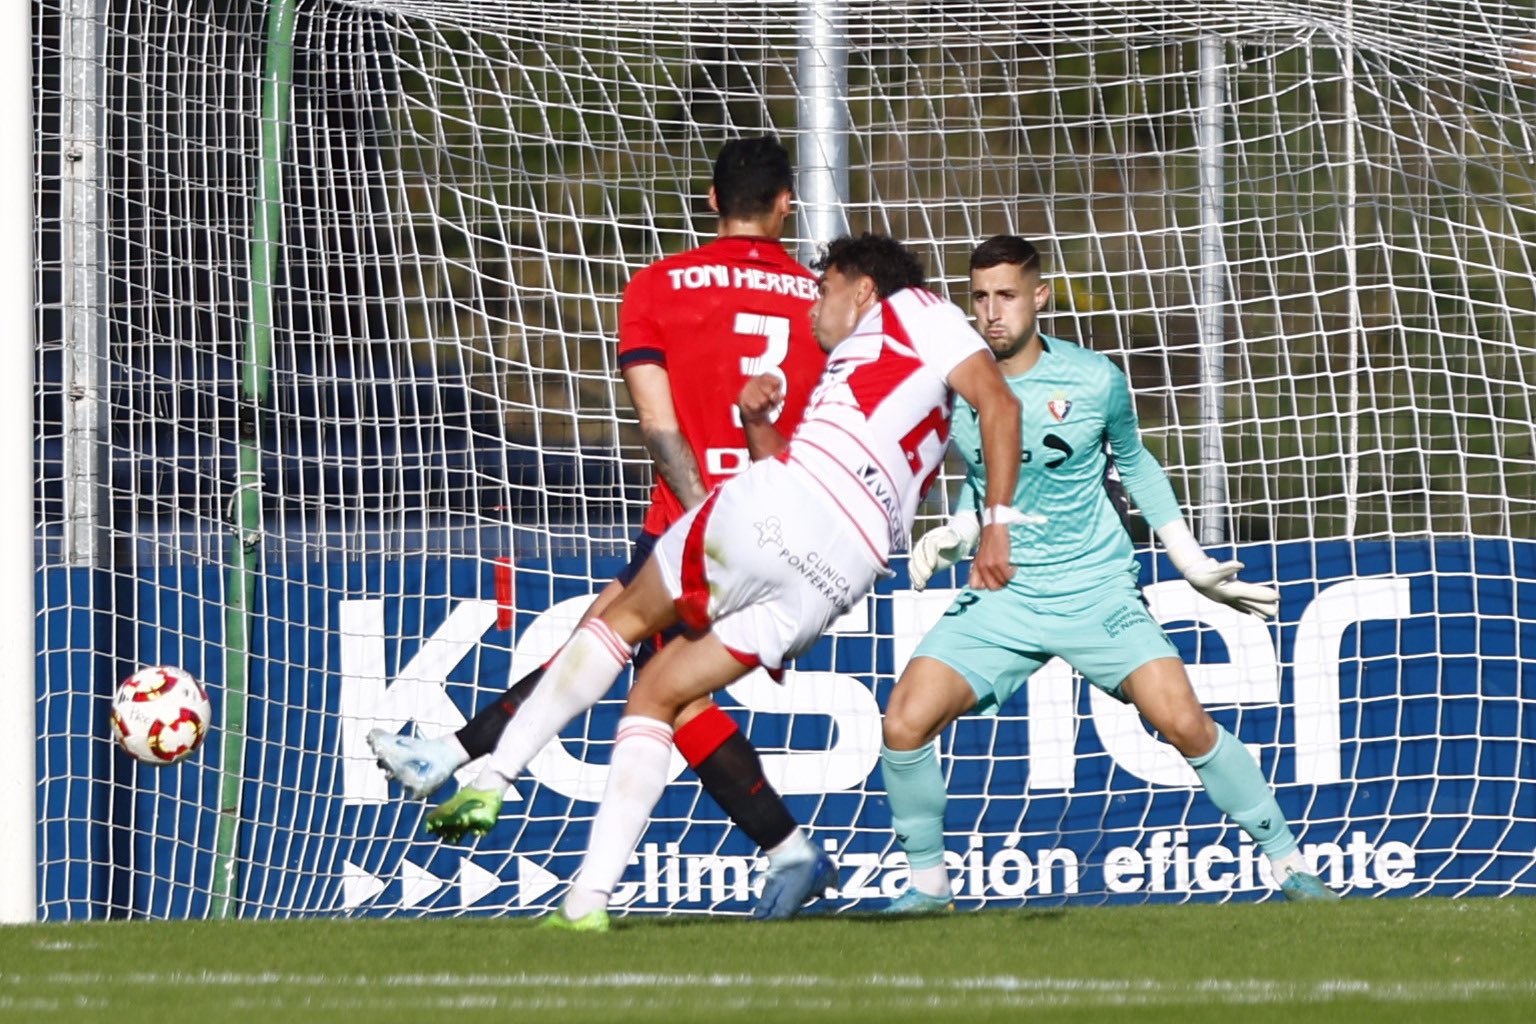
(932, 881)
(455, 749)
(578, 678)
(578, 903)
(637, 773)
(795, 849)
(1292, 863)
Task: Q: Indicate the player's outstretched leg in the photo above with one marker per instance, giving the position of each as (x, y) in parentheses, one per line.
(1161, 691)
(1235, 784)
(467, 812)
(419, 764)
(577, 678)
(422, 765)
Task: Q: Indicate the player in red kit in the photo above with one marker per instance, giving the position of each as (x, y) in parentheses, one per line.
(776, 554)
(693, 327)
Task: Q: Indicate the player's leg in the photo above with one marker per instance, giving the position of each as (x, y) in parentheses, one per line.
(422, 764)
(481, 733)
(732, 773)
(1161, 691)
(973, 659)
(927, 698)
(682, 672)
(578, 677)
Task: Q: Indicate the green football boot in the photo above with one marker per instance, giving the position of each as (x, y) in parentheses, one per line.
(467, 812)
(555, 920)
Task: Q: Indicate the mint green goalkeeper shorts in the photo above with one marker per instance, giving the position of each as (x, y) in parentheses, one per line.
(997, 639)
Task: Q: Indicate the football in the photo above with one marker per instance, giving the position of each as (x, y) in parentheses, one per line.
(160, 714)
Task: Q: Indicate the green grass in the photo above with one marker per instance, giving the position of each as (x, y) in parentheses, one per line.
(1363, 960)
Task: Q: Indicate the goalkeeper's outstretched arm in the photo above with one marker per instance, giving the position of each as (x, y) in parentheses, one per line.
(1148, 485)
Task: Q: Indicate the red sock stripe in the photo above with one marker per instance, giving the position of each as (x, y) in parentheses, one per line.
(693, 605)
(647, 729)
(609, 639)
(703, 734)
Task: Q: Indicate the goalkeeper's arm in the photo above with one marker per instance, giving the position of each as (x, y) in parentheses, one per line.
(946, 545)
(1148, 484)
(942, 547)
(1216, 580)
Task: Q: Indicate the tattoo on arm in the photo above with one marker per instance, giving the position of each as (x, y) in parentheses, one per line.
(676, 464)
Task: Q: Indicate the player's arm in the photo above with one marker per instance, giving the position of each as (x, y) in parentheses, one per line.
(1148, 485)
(650, 389)
(978, 380)
(759, 397)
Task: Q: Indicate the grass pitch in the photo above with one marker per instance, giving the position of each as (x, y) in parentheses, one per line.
(1360, 960)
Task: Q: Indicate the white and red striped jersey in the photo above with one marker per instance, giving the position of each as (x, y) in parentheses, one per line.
(874, 434)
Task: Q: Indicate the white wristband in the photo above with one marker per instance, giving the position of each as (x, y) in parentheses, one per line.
(1005, 514)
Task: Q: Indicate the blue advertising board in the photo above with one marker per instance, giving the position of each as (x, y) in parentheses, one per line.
(1393, 706)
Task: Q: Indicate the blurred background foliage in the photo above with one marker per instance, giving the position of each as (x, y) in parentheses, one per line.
(469, 189)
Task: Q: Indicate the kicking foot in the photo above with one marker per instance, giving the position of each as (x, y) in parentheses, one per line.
(419, 765)
(1304, 887)
(467, 812)
(788, 888)
(555, 920)
(914, 904)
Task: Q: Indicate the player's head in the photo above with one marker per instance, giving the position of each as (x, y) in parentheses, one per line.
(753, 186)
(1007, 293)
(856, 273)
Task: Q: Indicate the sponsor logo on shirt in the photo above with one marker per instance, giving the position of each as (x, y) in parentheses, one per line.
(770, 531)
(873, 479)
(828, 580)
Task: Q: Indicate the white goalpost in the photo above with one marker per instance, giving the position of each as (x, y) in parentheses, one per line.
(345, 277)
(18, 705)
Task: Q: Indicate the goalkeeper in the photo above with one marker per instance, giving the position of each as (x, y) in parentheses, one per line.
(1075, 595)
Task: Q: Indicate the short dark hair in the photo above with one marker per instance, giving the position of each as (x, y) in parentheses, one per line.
(750, 175)
(891, 265)
(1000, 249)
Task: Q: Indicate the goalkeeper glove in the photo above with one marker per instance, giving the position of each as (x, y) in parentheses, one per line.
(1215, 580)
(942, 547)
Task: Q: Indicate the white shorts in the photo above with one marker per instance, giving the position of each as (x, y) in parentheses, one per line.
(766, 564)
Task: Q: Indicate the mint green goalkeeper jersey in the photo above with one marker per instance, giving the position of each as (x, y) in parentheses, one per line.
(1076, 412)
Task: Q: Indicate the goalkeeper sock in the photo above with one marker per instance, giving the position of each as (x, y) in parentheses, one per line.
(642, 752)
(480, 734)
(914, 785)
(576, 679)
(1235, 784)
(731, 771)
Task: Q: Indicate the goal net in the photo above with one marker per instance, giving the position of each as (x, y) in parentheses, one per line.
(329, 415)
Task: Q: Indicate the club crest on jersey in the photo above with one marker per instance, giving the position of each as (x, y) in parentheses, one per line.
(1059, 406)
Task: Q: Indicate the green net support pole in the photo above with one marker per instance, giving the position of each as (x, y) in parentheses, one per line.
(241, 587)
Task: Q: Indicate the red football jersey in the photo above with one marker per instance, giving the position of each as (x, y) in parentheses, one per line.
(713, 317)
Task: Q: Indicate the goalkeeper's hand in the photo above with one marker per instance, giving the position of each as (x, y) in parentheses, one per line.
(1215, 580)
(1218, 581)
(942, 547)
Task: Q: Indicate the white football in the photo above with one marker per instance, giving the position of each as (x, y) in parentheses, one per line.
(160, 714)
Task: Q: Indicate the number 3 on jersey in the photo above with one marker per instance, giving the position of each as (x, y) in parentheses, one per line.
(774, 330)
